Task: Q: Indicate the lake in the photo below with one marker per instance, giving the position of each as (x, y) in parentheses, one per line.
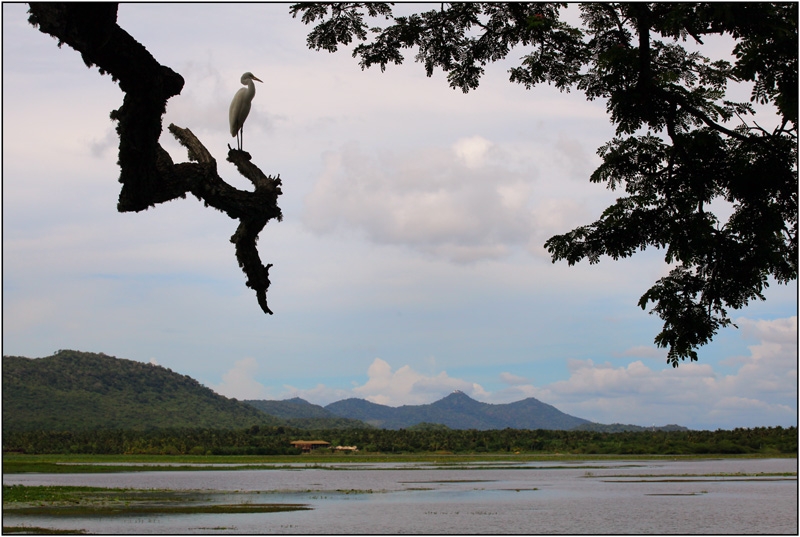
(683, 496)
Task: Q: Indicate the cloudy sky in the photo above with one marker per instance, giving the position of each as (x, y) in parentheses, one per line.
(409, 262)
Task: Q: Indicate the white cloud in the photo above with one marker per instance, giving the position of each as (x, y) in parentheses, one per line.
(406, 386)
(239, 383)
(763, 391)
(464, 203)
(472, 151)
(782, 331)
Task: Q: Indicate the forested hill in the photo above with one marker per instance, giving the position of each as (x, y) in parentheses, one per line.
(79, 390)
(459, 411)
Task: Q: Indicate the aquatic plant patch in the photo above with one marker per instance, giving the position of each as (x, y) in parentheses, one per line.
(150, 509)
(97, 501)
(36, 530)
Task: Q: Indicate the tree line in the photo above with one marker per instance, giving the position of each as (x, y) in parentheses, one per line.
(275, 440)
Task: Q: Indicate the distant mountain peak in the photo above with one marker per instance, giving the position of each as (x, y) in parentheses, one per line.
(457, 394)
(458, 411)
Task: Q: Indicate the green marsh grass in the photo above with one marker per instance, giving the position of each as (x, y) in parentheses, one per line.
(14, 463)
(98, 501)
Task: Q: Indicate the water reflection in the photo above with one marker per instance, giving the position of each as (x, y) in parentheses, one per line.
(683, 496)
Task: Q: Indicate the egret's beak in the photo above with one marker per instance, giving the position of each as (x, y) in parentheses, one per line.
(256, 78)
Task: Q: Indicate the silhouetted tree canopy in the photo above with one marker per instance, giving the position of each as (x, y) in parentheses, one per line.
(147, 173)
(679, 145)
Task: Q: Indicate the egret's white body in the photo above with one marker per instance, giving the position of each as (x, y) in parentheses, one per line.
(240, 107)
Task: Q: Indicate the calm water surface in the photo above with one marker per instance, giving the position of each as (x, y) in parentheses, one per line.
(681, 496)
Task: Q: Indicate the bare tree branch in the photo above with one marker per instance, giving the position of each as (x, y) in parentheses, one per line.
(147, 172)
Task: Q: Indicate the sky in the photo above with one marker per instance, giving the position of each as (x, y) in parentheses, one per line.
(409, 262)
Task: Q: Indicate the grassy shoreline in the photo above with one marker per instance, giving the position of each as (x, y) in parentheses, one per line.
(20, 463)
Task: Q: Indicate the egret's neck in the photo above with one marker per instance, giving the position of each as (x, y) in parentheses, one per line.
(251, 88)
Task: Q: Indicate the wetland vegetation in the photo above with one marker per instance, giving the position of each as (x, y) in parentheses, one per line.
(80, 501)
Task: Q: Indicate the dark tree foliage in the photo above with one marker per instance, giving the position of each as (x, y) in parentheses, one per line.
(147, 173)
(275, 440)
(679, 143)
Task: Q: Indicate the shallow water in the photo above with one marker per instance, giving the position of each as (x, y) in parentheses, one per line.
(537, 497)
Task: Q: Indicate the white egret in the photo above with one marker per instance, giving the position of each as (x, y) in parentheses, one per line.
(240, 107)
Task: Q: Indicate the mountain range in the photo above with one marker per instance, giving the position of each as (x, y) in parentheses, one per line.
(74, 390)
(456, 411)
(459, 411)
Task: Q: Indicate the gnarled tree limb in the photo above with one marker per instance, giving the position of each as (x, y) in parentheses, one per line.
(147, 172)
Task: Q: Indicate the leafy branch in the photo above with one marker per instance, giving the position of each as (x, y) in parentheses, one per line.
(630, 55)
